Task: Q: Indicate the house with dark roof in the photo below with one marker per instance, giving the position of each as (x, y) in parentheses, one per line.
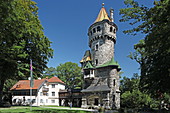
(44, 92)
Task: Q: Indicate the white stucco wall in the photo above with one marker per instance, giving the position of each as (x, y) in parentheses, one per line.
(42, 99)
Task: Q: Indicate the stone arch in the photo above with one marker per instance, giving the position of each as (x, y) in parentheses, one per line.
(93, 100)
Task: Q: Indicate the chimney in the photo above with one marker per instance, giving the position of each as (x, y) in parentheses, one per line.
(111, 15)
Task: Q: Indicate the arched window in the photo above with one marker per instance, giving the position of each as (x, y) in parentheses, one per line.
(97, 47)
(98, 29)
(111, 29)
(114, 31)
(94, 30)
(91, 33)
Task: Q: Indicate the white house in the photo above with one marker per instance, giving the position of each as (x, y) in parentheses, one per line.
(44, 92)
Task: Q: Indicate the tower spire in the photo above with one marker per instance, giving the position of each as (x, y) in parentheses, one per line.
(102, 14)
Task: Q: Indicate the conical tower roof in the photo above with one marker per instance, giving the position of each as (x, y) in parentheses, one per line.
(102, 15)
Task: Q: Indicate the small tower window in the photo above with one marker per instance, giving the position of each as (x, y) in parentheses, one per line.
(114, 82)
(98, 29)
(114, 30)
(94, 30)
(111, 29)
(91, 33)
(97, 47)
(96, 61)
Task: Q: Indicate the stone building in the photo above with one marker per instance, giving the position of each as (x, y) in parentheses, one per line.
(101, 71)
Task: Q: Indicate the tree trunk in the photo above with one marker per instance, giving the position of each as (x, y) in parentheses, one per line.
(1, 90)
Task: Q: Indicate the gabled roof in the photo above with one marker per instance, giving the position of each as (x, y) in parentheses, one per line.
(88, 66)
(55, 79)
(25, 84)
(102, 15)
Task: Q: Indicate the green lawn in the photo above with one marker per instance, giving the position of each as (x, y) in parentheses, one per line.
(39, 110)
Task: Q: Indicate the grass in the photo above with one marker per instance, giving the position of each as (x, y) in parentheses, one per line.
(39, 110)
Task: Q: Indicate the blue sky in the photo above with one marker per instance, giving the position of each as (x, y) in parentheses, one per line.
(66, 23)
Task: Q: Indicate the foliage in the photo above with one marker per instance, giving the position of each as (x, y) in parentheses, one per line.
(152, 53)
(71, 74)
(129, 84)
(21, 39)
(50, 72)
(135, 99)
(132, 97)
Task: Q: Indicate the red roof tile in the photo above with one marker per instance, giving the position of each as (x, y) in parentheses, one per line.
(25, 84)
(55, 79)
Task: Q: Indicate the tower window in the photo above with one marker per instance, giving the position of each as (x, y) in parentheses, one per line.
(97, 47)
(111, 29)
(90, 32)
(98, 29)
(114, 30)
(114, 82)
(96, 61)
(94, 30)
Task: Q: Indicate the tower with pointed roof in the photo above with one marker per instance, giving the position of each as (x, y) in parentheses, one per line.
(101, 71)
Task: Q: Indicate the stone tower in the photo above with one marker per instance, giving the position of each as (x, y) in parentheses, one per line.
(101, 71)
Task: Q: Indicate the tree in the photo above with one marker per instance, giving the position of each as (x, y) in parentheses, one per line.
(50, 72)
(21, 39)
(135, 99)
(70, 73)
(154, 22)
(129, 84)
(132, 96)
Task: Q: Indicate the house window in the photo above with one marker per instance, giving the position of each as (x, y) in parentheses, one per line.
(41, 100)
(96, 61)
(52, 101)
(53, 93)
(53, 85)
(46, 100)
(41, 93)
(98, 29)
(33, 101)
